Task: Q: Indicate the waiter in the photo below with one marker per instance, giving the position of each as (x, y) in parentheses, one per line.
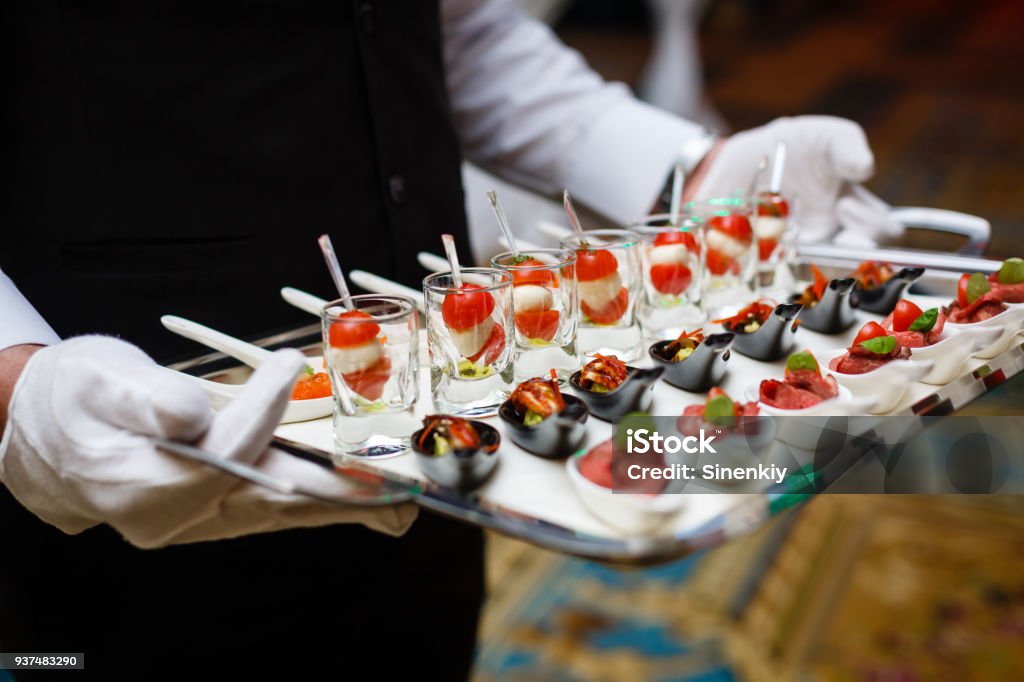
(181, 157)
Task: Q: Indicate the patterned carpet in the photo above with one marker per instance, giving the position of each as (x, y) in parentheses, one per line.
(577, 620)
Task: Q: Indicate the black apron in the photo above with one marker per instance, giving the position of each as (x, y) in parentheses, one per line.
(182, 157)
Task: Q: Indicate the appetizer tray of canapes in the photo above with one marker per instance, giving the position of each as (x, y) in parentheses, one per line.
(848, 343)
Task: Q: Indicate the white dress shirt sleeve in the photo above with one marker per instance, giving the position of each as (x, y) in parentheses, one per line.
(529, 109)
(19, 321)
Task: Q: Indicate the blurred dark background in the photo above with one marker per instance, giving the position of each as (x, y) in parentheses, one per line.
(937, 85)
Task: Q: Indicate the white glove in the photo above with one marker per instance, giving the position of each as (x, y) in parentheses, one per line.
(76, 452)
(826, 159)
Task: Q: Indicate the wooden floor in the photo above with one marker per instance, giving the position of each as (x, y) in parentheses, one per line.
(937, 84)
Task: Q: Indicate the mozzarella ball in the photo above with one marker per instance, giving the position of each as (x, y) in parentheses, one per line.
(769, 227)
(600, 292)
(357, 358)
(527, 297)
(469, 341)
(667, 254)
(726, 245)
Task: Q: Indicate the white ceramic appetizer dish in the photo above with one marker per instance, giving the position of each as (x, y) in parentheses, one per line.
(1010, 323)
(885, 384)
(630, 513)
(952, 349)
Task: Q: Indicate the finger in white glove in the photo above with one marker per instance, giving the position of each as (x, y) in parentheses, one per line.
(865, 219)
(826, 158)
(77, 451)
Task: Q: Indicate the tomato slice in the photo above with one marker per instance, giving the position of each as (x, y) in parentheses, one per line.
(538, 324)
(771, 204)
(353, 328)
(735, 225)
(369, 383)
(671, 278)
(544, 278)
(766, 247)
(466, 308)
(961, 290)
(870, 330)
(594, 264)
(904, 315)
(720, 264)
(492, 347)
(677, 237)
(611, 312)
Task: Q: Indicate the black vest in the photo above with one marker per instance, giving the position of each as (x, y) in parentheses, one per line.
(182, 157)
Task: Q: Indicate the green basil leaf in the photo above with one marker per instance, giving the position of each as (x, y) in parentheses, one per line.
(1011, 272)
(977, 286)
(802, 360)
(883, 345)
(720, 410)
(925, 322)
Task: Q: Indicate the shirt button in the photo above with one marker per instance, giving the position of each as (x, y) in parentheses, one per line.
(366, 18)
(396, 189)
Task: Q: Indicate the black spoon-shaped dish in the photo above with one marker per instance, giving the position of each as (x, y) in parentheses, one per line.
(632, 395)
(882, 299)
(557, 437)
(461, 470)
(773, 339)
(703, 369)
(834, 312)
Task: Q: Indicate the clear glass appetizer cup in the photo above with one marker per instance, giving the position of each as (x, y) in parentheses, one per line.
(372, 355)
(730, 262)
(545, 311)
(471, 339)
(673, 258)
(776, 229)
(610, 283)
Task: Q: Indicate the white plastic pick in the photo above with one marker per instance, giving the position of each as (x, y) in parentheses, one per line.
(334, 267)
(453, 259)
(503, 223)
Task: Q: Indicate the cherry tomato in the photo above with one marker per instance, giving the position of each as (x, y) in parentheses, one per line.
(904, 315)
(677, 237)
(492, 347)
(611, 312)
(466, 308)
(735, 225)
(671, 278)
(353, 328)
(369, 383)
(544, 278)
(594, 264)
(314, 386)
(961, 290)
(771, 204)
(538, 324)
(870, 330)
(720, 264)
(766, 247)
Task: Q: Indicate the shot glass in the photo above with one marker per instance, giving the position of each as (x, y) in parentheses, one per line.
(372, 356)
(545, 311)
(470, 336)
(609, 280)
(673, 258)
(776, 230)
(730, 260)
